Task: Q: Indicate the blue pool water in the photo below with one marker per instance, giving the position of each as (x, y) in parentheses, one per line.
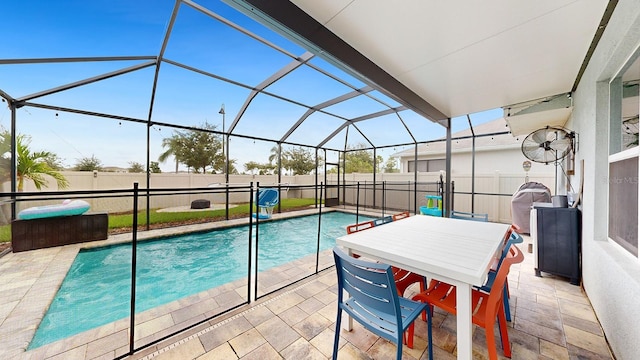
(96, 290)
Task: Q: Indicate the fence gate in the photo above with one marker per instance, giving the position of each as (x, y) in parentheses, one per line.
(332, 193)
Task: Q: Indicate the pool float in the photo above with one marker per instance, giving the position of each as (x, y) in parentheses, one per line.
(67, 208)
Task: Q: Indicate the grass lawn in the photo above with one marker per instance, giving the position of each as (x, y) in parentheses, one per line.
(119, 223)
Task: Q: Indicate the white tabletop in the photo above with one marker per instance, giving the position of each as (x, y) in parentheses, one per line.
(456, 251)
(438, 247)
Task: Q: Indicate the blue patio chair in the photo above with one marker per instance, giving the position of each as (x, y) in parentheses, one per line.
(374, 302)
(383, 220)
(469, 216)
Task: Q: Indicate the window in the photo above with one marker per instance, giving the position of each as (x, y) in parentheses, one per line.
(428, 165)
(624, 159)
(623, 203)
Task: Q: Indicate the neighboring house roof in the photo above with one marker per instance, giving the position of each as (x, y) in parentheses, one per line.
(483, 142)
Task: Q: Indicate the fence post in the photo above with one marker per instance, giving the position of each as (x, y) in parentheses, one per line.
(257, 238)
(384, 197)
(250, 278)
(134, 247)
(319, 230)
(357, 201)
(496, 190)
(453, 191)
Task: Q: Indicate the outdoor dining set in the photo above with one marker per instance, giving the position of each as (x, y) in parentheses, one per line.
(460, 263)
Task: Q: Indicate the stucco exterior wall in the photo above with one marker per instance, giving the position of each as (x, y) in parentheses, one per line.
(611, 276)
(506, 159)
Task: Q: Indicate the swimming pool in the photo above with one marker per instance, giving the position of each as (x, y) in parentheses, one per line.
(96, 290)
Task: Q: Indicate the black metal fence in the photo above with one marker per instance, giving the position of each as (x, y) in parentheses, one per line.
(252, 284)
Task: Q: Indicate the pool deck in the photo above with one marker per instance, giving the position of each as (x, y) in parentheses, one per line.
(32, 278)
(552, 319)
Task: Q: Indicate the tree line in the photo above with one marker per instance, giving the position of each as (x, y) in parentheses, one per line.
(200, 151)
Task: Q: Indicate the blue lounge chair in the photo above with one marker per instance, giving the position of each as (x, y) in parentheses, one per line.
(267, 200)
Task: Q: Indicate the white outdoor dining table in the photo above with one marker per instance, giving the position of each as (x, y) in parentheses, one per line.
(459, 252)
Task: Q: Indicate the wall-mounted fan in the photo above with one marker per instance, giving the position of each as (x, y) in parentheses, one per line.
(548, 144)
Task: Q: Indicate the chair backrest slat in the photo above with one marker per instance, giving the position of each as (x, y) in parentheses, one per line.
(370, 284)
(469, 216)
(402, 215)
(360, 226)
(383, 220)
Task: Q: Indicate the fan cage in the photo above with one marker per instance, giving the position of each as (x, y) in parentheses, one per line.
(548, 144)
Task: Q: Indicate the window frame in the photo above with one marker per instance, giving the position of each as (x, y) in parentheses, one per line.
(616, 152)
(428, 163)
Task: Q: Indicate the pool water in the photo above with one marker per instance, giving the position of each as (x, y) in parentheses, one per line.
(96, 290)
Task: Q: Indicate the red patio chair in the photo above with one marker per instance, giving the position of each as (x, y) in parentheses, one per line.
(360, 226)
(485, 307)
(402, 215)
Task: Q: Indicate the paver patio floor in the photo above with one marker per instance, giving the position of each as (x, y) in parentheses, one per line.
(552, 319)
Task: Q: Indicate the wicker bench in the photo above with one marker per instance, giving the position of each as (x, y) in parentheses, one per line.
(57, 231)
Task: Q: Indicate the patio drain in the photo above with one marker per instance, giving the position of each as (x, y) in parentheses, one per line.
(217, 325)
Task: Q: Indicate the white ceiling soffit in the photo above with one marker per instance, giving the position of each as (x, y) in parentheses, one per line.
(527, 123)
(468, 56)
(532, 115)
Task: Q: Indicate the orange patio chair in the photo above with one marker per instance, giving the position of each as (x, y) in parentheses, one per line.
(485, 307)
(402, 215)
(360, 226)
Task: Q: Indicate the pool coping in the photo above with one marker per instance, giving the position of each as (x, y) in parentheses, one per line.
(33, 278)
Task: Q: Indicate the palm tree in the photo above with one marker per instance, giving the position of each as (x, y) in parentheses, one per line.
(34, 166)
(173, 145)
(275, 153)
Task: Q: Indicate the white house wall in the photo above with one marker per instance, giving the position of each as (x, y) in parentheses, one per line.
(504, 159)
(611, 276)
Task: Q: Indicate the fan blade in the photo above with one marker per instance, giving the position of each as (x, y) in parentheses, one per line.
(534, 153)
(560, 145)
(539, 136)
(530, 147)
(539, 155)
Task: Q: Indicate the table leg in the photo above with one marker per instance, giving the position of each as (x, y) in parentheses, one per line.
(464, 323)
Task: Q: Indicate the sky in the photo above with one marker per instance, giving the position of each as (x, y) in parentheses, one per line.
(101, 28)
